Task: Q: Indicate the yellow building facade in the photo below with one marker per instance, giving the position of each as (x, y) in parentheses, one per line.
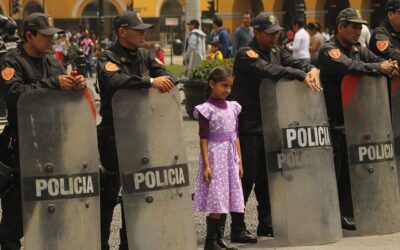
(74, 14)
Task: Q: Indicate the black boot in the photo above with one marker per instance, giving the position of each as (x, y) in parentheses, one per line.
(264, 227)
(212, 231)
(220, 234)
(239, 233)
(347, 223)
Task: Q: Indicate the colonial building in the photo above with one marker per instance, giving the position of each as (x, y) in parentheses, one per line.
(82, 14)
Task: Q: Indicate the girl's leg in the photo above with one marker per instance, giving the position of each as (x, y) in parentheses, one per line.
(212, 232)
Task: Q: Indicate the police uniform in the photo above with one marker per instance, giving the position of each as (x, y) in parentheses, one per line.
(19, 73)
(335, 61)
(385, 41)
(120, 67)
(252, 66)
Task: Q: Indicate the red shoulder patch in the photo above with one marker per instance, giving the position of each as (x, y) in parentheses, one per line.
(382, 45)
(335, 53)
(7, 73)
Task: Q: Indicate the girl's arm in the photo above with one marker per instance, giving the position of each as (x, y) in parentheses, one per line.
(239, 152)
(204, 156)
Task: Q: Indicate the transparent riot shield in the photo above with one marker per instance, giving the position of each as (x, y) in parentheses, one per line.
(59, 170)
(395, 108)
(372, 167)
(153, 169)
(301, 175)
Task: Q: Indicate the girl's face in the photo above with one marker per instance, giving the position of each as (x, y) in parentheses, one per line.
(220, 90)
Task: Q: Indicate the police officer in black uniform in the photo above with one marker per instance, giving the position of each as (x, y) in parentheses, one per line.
(30, 66)
(124, 65)
(385, 40)
(260, 59)
(8, 40)
(338, 57)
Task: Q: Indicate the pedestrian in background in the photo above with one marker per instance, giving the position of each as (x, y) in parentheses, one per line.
(218, 186)
(222, 36)
(317, 40)
(215, 53)
(301, 41)
(195, 47)
(244, 33)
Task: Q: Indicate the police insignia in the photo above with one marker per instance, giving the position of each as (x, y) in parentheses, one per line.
(358, 13)
(335, 53)
(50, 21)
(272, 19)
(159, 61)
(111, 67)
(252, 54)
(8, 73)
(138, 16)
(382, 45)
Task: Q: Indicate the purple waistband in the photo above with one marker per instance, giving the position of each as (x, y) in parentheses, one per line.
(222, 136)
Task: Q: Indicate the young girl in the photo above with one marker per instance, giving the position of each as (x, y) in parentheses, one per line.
(218, 186)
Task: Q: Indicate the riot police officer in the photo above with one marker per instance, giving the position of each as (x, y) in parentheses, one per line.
(8, 40)
(260, 59)
(124, 65)
(29, 66)
(385, 40)
(338, 57)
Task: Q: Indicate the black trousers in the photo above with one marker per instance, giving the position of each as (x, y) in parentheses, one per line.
(342, 173)
(11, 226)
(110, 186)
(254, 175)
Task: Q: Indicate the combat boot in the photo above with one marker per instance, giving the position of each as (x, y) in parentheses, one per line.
(239, 233)
(264, 227)
(221, 232)
(211, 238)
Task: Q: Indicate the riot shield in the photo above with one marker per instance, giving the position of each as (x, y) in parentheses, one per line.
(395, 108)
(301, 175)
(153, 169)
(372, 167)
(59, 170)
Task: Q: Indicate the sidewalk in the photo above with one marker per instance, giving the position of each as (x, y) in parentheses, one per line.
(350, 241)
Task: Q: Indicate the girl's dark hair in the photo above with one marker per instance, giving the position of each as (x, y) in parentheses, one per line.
(217, 74)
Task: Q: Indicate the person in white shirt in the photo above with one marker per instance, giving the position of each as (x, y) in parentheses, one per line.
(301, 42)
(365, 36)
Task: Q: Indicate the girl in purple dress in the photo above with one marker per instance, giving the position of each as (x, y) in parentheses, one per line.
(218, 185)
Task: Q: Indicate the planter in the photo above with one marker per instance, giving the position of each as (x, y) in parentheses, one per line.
(195, 94)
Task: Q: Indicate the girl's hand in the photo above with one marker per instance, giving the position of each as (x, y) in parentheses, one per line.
(207, 174)
(240, 170)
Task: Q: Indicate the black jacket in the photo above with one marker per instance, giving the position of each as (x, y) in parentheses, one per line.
(30, 73)
(354, 60)
(250, 71)
(135, 68)
(386, 34)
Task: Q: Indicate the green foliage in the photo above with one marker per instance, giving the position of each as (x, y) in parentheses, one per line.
(176, 70)
(201, 72)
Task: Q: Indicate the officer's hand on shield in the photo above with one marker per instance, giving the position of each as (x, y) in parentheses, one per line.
(66, 82)
(80, 82)
(314, 77)
(207, 174)
(389, 68)
(311, 83)
(162, 83)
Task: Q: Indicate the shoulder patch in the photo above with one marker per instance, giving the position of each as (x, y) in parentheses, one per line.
(159, 61)
(335, 53)
(252, 54)
(7, 73)
(111, 67)
(382, 45)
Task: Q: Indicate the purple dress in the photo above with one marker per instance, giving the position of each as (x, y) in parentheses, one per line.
(224, 193)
